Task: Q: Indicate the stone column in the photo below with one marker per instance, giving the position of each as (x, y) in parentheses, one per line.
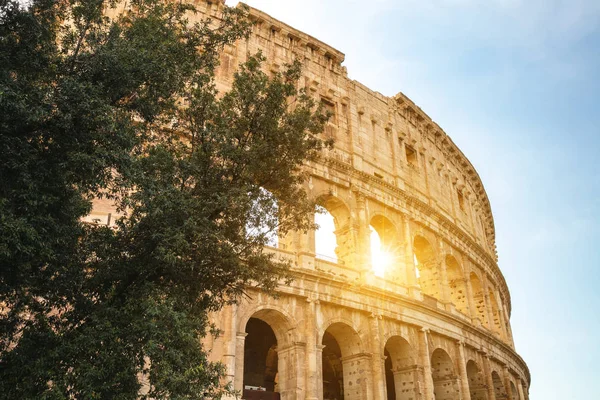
(290, 365)
(319, 353)
(508, 328)
(520, 389)
(488, 305)
(472, 308)
(230, 344)
(444, 284)
(488, 377)
(378, 359)
(357, 377)
(411, 275)
(239, 361)
(504, 332)
(406, 383)
(462, 370)
(363, 240)
(425, 361)
(507, 383)
(312, 356)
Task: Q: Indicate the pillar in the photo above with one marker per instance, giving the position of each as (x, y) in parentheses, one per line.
(488, 377)
(230, 342)
(425, 360)
(357, 377)
(312, 356)
(411, 275)
(378, 359)
(363, 235)
(462, 370)
(472, 308)
(507, 383)
(444, 284)
(319, 353)
(406, 383)
(488, 305)
(239, 361)
(291, 371)
(520, 389)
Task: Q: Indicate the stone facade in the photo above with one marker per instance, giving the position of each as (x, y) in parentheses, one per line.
(436, 325)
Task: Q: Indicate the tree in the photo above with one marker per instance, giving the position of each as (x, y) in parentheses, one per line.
(126, 108)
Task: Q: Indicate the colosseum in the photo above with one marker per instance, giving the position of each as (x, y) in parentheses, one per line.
(399, 296)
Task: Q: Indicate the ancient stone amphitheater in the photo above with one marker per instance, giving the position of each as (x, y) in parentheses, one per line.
(434, 324)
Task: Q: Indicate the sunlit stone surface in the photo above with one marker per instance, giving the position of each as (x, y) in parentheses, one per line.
(428, 318)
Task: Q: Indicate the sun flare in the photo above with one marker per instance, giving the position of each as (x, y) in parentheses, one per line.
(380, 259)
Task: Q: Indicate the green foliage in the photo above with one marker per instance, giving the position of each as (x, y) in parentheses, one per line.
(126, 108)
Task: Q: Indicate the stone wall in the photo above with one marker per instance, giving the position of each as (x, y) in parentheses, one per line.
(440, 314)
(436, 324)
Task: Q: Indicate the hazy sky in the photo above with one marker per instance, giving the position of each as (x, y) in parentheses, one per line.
(516, 85)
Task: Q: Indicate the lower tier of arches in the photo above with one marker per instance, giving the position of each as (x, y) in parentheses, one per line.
(292, 348)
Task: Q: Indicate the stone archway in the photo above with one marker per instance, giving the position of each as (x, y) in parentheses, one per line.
(477, 386)
(333, 239)
(272, 361)
(346, 371)
(401, 371)
(445, 380)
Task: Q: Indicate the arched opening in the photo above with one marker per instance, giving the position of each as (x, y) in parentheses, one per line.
(499, 390)
(479, 299)
(270, 362)
(428, 270)
(496, 323)
(384, 246)
(333, 238)
(325, 240)
(456, 285)
(477, 387)
(260, 360)
(340, 361)
(400, 369)
(445, 381)
(513, 389)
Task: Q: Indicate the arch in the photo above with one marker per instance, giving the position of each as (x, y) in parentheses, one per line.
(282, 324)
(270, 360)
(333, 239)
(478, 299)
(385, 246)
(445, 381)
(477, 386)
(341, 360)
(427, 267)
(400, 369)
(499, 390)
(496, 324)
(456, 284)
(260, 358)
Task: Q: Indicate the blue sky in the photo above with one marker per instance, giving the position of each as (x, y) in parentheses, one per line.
(516, 84)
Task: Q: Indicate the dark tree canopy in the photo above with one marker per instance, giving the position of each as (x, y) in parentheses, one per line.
(125, 108)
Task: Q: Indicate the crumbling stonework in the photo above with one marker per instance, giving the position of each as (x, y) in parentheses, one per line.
(436, 325)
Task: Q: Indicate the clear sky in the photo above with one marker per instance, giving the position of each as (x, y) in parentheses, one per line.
(516, 84)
